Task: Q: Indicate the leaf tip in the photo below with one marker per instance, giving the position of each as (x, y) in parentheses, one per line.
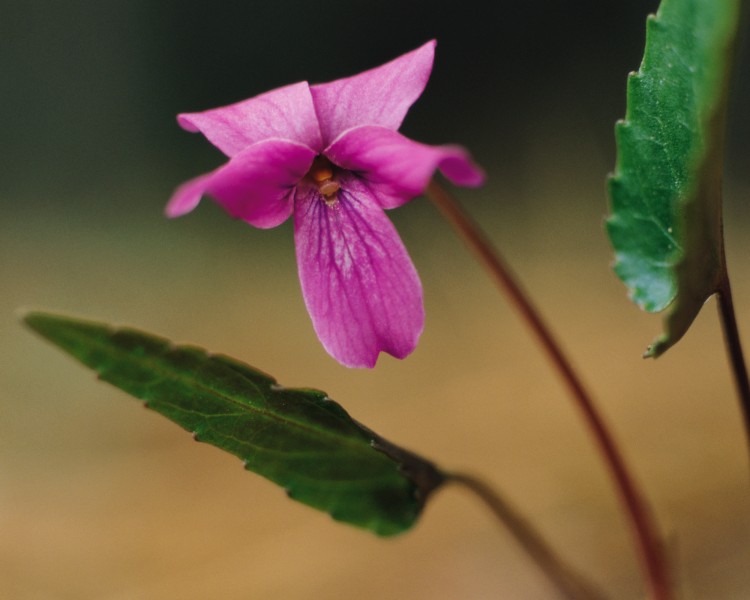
(31, 318)
(44, 323)
(660, 345)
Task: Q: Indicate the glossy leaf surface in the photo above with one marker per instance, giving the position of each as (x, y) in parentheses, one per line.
(666, 224)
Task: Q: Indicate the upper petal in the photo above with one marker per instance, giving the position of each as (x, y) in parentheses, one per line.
(286, 112)
(256, 185)
(359, 284)
(397, 168)
(380, 96)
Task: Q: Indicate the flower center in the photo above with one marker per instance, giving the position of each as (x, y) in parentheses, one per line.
(321, 173)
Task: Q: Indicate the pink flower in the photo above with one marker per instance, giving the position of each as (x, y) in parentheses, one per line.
(330, 155)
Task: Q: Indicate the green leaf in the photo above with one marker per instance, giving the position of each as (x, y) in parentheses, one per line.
(666, 225)
(297, 438)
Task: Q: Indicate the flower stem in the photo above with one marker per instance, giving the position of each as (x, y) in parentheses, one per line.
(734, 348)
(647, 540)
(569, 583)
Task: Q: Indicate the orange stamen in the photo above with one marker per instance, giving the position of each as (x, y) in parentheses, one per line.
(321, 173)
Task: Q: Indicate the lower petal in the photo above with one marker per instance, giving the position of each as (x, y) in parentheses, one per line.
(399, 168)
(359, 284)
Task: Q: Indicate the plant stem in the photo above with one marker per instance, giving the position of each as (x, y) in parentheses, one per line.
(647, 540)
(569, 583)
(734, 348)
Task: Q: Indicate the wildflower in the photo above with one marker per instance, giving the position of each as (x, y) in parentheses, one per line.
(330, 155)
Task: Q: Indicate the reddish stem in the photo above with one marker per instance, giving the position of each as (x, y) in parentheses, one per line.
(647, 540)
(734, 348)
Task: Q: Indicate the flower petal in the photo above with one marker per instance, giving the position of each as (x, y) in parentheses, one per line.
(187, 196)
(397, 168)
(359, 284)
(286, 112)
(380, 96)
(257, 185)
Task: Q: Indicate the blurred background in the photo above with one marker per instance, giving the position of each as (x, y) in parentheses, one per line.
(101, 499)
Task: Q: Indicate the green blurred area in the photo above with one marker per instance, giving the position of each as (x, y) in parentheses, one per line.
(90, 89)
(100, 499)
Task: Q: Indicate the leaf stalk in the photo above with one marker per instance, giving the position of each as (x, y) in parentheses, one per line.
(734, 349)
(570, 584)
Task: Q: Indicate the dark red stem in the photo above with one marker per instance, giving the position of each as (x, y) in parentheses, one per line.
(647, 540)
(734, 349)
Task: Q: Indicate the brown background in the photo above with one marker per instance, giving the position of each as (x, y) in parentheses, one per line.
(102, 499)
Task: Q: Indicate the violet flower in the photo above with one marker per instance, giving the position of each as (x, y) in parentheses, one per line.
(330, 154)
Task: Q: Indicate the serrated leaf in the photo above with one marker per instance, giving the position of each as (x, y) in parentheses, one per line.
(297, 438)
(666, 225)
